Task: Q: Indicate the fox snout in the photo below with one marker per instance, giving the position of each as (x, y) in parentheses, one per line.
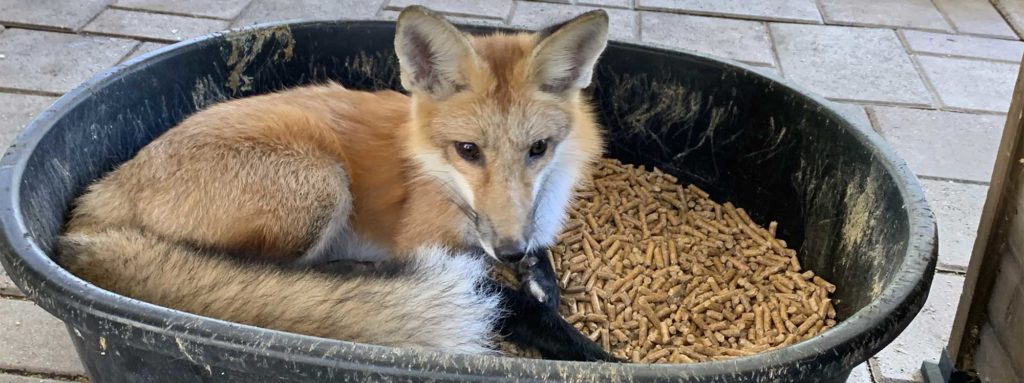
(510, 251)
(505, 250)
(504, 236)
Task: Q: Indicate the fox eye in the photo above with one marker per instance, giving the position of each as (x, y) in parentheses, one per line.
(538, 148)
(468, 151)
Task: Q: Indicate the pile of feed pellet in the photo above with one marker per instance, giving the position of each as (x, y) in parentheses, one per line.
(659, 273)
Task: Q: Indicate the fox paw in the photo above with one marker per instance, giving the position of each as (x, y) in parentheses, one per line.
(539, 279)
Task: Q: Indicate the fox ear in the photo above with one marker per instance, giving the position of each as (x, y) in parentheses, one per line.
(432, 53)
(564, 58)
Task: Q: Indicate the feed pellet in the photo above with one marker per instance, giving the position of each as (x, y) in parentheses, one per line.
(658, 273)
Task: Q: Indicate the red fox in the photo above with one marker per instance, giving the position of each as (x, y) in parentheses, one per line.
(232, 213)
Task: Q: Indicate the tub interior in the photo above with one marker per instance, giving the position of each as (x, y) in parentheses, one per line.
(730, 131)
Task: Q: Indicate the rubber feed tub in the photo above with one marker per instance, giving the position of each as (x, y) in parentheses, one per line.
(842, 197)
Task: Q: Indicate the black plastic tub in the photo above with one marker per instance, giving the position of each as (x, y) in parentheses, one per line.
(843, 198)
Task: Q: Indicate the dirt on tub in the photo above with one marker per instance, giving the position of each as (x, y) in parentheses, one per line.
(659, 273)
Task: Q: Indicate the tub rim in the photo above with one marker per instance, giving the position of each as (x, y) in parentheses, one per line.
(40, 277)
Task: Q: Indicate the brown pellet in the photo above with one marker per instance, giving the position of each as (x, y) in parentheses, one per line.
(824, 284)
(620, 336)
(656, 355)
(807, 324)
(657, 272)
(574, 289)
(777, 320)
(595, 318)
(605, 339)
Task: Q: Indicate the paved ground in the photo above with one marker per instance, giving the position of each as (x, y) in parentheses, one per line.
(934, 77)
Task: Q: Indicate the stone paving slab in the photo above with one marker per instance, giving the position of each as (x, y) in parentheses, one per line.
(391, 14)
(16, 111)
(854, 112)
(222, 9)
(963, 46)
(926, 336)
(975, 17)
(957, 208)
(145, 48)
(622, 23)
(52, 14)
(860, 374)
(971, 84)
(942, 144)
(495, 9)
(773, 10)
(607, 3)
(774, 71)
(1013, 10)
(55, 62)
(741, 40)
(152, 26)
(920, 14)
(849, 63)
(5, 378)
(260, 11)
(33, 340)
(7, 286)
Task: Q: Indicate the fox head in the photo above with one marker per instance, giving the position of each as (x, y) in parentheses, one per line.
(499, 122)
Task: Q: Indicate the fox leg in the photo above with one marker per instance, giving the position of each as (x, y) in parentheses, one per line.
(530, 323)
(336, 240)
(538, 278)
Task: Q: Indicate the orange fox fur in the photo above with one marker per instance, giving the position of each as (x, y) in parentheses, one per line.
(322, 172)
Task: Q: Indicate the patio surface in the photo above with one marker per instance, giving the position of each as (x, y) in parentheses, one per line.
(933, 77)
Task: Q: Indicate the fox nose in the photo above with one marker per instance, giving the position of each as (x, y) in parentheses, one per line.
(510, 251)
